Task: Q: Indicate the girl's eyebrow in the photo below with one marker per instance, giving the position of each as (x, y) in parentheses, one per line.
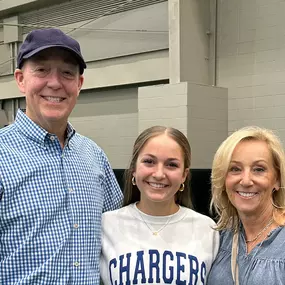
(169, 159)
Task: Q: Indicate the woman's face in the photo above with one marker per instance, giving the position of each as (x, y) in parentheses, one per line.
(160, 170)
(251, 178)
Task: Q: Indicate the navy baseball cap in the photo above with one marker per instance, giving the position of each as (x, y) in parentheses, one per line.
(38, 40)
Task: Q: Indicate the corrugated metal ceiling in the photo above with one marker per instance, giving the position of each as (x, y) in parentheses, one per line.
(78, 10)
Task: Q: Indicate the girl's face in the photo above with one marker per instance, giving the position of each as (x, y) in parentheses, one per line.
(160, 170)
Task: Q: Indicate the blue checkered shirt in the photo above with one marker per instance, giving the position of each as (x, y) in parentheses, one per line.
(51, 201)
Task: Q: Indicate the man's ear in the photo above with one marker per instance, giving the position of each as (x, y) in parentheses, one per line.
(80, 83)
(19, 77)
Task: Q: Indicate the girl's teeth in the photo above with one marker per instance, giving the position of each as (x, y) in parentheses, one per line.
(156, 185)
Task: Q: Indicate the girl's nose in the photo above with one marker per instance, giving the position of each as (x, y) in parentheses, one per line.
(159, 172)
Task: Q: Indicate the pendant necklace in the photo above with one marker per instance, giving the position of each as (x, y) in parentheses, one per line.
(154, 232)
(261, 232)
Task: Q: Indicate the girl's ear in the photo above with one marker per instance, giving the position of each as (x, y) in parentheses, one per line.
(186, 172)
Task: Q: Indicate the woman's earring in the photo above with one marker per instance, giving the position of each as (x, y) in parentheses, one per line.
(181, 189)
(134, 181)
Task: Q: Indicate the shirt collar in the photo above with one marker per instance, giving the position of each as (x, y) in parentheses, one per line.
(36, 133)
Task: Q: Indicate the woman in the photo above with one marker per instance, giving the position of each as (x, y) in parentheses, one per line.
(248, 195)
(155, 238)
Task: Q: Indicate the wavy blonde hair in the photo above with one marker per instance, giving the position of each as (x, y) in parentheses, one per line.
(220, 203)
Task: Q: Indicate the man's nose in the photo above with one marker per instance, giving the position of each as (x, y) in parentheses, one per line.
(54, 79)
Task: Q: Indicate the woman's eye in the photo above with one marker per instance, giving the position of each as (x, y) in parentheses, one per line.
(234, 169)
(259, 169)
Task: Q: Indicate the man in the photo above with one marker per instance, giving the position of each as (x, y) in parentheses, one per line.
(54, 183)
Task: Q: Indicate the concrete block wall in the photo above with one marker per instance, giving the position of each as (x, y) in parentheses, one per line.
(109, 118)
(207, 122)
(163, 105)
(251, 62)
(199, 111)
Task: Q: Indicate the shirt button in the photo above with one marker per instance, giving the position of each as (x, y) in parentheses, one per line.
(52, 138)
(71, 190)
(76, 264)
(76, 226)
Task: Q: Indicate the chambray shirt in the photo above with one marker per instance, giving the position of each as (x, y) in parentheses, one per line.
(265, 264)
(51, 201)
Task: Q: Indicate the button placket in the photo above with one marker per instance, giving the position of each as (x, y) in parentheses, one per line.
(71, 190)
(76, 226)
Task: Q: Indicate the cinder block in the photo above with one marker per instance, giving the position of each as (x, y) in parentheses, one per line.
(167, 101)
(264, 102)
(279, 100)
(264, 113)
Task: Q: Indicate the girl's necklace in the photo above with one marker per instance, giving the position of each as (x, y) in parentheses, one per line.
(155, 233)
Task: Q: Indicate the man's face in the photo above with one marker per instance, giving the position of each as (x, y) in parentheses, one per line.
(51, 83)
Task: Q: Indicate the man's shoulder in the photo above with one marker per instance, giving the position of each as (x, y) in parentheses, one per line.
(7, 133)
(85, 142)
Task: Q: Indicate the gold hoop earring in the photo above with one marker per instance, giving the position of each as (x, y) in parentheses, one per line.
(134, 181)
(181, 189)
(272, 201)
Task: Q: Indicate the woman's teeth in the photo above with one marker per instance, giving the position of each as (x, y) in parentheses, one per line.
(246, 194)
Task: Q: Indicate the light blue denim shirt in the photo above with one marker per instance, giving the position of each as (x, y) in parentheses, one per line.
(265, 264)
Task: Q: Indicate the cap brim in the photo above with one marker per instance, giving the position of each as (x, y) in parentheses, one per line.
(78, 56)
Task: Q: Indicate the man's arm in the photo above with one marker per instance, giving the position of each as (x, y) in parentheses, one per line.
(113, 196)
(1, 191)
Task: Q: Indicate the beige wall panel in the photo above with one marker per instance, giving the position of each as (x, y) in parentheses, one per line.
(251, 62)
(189, 22)
(5, 62)
(110, 119)
(140, 30)
(199, 111)
(139, 68)
(1, 35)
(8, 108)
(207, 122)
(9, 4)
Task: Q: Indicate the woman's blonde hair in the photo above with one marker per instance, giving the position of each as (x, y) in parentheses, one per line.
(227, 213)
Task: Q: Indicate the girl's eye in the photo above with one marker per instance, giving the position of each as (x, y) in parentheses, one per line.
(173, 164)
(148, 161)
